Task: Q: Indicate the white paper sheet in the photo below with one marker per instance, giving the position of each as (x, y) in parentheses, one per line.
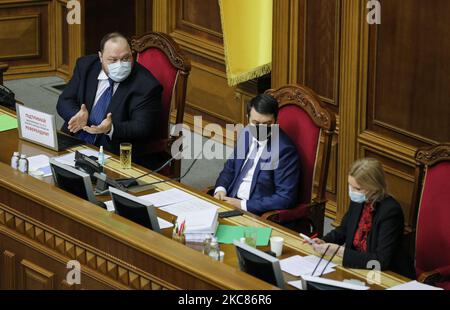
(201, 221)
(195, 204)
(167, 197)
(297, 284)
(414, 286)
(299, 266)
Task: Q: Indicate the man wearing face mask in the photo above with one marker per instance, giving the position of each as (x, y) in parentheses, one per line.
(111, 99)
(263, 173)
(371, 231)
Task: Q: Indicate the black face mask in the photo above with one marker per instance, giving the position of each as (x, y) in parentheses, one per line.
(260, 132)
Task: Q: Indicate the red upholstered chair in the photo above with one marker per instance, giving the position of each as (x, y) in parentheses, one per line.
(162, 56)
(432, 202)
(304, 120)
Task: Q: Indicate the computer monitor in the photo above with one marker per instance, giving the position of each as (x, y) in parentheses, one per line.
(134, 209)
(259, 264)
(72, 180)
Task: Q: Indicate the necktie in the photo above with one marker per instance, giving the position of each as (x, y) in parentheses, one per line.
(245, 169)
(98, 112)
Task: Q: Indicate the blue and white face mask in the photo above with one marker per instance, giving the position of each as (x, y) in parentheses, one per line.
(119, 70)
(356, 196)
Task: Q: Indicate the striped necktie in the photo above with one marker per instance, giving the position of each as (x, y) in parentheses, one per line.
(245, 169)
(98, 113)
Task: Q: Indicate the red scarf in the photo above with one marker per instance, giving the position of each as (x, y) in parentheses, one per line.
(364, 227)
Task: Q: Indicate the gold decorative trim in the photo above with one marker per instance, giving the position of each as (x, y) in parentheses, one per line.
(72, 249)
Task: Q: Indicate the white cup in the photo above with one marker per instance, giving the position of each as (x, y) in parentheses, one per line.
(276, 245)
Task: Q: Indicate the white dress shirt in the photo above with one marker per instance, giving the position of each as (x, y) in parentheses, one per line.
(245, 187)
(103, 85)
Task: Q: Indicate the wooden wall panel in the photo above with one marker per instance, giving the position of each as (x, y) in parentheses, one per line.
(196, 27)
(27, 36)
(399, 179)
(62, 38)
(201, 18)
(306, 40)
(35, 277)
(404, 100)
(8, 271)
(130, 17)
(321, 61)
(409, 72)
(36, 39)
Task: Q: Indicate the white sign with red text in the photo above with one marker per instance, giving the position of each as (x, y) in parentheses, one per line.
(37, 126)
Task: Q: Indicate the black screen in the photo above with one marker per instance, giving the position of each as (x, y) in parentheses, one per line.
(257, 266)
(70, 182)
(133, 211)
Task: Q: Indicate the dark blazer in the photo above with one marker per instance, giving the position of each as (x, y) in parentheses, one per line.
(135, 105)
(384, 239)
(271, 189)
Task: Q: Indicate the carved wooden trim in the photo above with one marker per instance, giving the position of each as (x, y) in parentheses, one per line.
(433, 155)
(9, 271)
(426, 157)
(167, 45)
(88, 257)
(305, 98)
(35, 273)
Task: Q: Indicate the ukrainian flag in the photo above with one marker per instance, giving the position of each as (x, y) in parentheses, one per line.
(247, 35)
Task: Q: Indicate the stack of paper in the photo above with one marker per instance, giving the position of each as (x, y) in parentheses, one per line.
(201, 216)
(41, 163)
(300, 266)
(198, 224)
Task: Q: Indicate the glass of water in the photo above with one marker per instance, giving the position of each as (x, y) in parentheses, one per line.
(125, 155)
(250, 237)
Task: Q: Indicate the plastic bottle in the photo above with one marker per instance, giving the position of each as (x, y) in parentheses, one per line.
(23, 163)
(15, 160)
(101, 156)
(207, 245)
(215, 249)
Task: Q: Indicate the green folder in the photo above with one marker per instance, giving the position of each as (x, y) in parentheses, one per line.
(7, 122)
(227, 234)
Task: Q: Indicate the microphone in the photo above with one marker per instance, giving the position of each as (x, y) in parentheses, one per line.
(129, 182)
(179, 178)
(329, 261)
(320, 260)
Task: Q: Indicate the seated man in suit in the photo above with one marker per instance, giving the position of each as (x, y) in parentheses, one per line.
(111, 99)
(263, 173)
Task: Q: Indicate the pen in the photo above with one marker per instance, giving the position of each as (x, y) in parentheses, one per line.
(182, 227)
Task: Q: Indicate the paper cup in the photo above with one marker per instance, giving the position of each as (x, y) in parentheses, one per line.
(276, 245)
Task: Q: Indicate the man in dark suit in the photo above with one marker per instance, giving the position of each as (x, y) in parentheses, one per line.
(263, 173)
(111, 99)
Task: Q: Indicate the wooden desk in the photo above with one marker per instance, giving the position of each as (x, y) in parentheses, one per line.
(43, 227)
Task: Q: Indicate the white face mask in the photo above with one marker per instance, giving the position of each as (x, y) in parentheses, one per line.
(119, 70)
(356, 196)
